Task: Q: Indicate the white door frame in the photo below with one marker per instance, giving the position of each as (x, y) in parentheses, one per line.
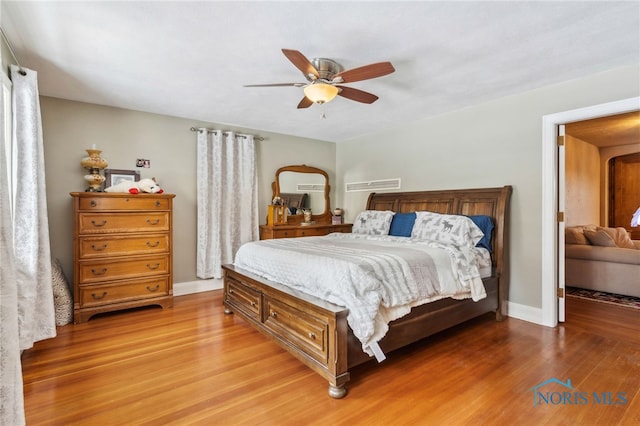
(550, 184)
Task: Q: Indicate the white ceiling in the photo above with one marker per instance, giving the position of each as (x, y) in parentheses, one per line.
(191, 59)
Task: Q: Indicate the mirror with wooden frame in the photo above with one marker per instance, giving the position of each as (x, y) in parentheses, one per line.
(295, 181)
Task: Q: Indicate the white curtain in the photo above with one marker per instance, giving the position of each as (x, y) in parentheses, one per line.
(11, 399)
(227, 198)
(36, 311)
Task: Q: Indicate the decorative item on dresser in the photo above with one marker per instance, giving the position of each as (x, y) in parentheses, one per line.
(123, 252)
(318, 218)
(94, 163)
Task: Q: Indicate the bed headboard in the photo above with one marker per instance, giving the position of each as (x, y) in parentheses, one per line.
(492, 202)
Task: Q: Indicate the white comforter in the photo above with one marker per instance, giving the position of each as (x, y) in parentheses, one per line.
(378, 279)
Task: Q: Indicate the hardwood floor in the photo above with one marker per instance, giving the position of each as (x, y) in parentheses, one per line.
(194, 365)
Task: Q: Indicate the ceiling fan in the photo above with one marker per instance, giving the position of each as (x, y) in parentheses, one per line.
(325, 78)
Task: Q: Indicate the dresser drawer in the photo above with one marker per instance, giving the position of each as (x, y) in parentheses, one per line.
(106, 293)
(243, 297)
(134, 202)
(104, 223)
(93, 271)
(121, 245)
(309, 330)
(295, 233)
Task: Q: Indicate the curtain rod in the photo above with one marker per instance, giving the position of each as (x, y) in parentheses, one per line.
(4, 36)
(257, 138)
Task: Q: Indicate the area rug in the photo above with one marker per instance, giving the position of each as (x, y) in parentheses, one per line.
(601, 296)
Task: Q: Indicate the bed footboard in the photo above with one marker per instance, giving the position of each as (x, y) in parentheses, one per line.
(312, 330)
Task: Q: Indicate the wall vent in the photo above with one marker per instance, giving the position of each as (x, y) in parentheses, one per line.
(310, 187)
(373, 185)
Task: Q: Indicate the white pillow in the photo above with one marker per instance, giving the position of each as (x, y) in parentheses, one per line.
(447, 229)
(373, 222)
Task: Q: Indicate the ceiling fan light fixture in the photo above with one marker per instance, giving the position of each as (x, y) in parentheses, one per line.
(320, 93)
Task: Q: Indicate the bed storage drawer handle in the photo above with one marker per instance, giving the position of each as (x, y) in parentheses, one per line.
(104, 293)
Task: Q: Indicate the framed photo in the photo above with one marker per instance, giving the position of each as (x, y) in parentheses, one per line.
(115, 176)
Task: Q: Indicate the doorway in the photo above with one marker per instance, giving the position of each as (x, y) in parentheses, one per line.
(552, 241)
(624, 192)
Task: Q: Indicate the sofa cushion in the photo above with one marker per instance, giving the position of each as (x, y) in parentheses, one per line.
(620, 237)
(575, 235)
(599, 238)
(602, 254)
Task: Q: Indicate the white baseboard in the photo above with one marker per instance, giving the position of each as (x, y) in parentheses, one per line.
(525, 313)
(189, 287)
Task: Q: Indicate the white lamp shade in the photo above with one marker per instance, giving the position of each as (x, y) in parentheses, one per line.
(320, 92)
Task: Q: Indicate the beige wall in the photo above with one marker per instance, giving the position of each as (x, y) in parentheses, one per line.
(493, 144)
(582, 183)
(123, 135)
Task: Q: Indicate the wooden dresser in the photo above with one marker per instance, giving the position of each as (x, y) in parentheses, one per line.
(293, 231)
(123, 252)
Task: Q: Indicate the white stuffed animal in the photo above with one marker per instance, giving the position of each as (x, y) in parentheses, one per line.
(143, 185)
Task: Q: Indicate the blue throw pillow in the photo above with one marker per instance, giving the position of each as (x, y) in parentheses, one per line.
(485, 223)
(402, 224)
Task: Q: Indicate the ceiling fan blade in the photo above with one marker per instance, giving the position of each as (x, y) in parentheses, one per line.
(365, 72)
(276, 85)
(305, 103)
(301, 62)
(357, 95)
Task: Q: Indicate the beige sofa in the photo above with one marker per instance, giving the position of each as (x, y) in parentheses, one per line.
(603, 259)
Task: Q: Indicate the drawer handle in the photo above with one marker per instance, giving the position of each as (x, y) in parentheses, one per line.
(157, 203)
(93, 246)
(253, 304)
(312, 336)
(104, 222)
(157, 221)
(303, 233)
(230, 291)
(93, 203)
(104, 293)
(153, 267)
(153, 245)
(274, 314)
(286, 233)
(153, 289)
(94, 272)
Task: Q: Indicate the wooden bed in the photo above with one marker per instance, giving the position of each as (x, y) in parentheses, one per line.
(316, 332)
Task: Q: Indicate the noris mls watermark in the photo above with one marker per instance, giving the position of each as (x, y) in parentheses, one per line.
(547, 393)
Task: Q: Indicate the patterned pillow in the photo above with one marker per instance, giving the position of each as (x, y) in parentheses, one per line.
(447, 229)
(373, 222)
